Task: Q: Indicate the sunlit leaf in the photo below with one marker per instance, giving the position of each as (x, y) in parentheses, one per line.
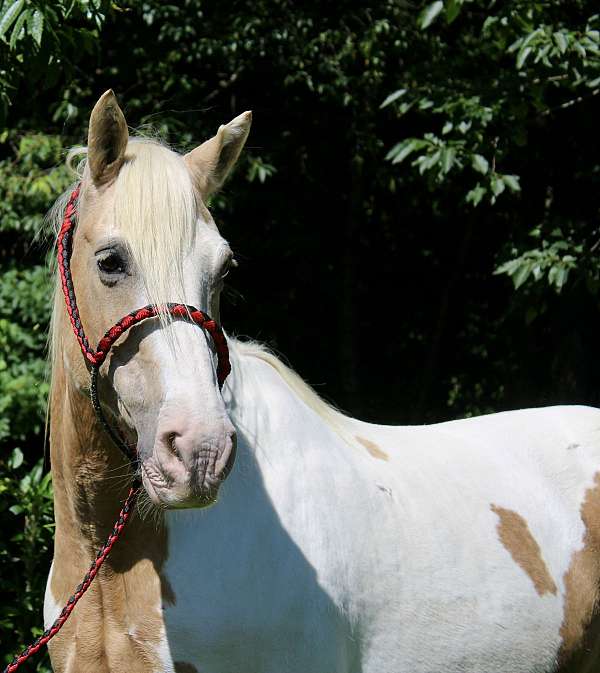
(522, 274)
(522, 56)
(9, 16)
(430, 13)
(18, 29)
(403, 149)
(448, 158)
(475, 195)
(512, 182)
(497, 185)
(393, 97)
(480, 164)
(561, 41)
(36, 26)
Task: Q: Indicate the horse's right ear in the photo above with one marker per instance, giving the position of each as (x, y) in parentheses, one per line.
(211, 162)
(107, 139)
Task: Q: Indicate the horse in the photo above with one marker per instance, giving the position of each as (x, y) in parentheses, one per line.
(276, 534)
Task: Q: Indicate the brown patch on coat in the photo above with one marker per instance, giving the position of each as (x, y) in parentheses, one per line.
(515, 535)
(580, 630)
(372, 448)
(184, 667)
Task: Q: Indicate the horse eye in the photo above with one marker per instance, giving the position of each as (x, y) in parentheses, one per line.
(111, 263)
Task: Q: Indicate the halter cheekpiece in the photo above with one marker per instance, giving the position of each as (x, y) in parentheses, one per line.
(95, 358)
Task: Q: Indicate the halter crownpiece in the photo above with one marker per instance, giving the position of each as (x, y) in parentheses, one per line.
(95, 358)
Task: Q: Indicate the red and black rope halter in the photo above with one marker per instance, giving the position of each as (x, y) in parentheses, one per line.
(95, 359)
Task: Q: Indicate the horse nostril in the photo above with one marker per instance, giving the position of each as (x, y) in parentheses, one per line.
(170, 441)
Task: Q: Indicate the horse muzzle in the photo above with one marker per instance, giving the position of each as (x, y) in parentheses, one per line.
(188, 463)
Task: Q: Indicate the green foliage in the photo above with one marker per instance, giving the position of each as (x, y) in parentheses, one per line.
(29, 183)
(534, 60)
(259, 169)
(553, 261)
(43, 42)
(22, 576)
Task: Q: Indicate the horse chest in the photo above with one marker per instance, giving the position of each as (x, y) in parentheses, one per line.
(248, 599)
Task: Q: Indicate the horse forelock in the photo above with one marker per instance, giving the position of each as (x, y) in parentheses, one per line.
(153, 206)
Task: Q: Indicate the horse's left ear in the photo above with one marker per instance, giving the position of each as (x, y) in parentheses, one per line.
(211, 162)
(107, 139)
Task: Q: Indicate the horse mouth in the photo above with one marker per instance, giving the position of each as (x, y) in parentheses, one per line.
(164, 492)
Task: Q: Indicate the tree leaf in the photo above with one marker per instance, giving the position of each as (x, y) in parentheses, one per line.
(448, 157)
(428, 161)
(522, 274)
(35, 26)
(430, 13)
(453, 10)
(9, 16)
(16, 459)
(561, 42)
(17, 29)
(579, 48)
(522, 57)
(392, 97)
(475, 196)
(497, 186)
(480, 164)
(561, 277)
(512, 182)
(402, 149)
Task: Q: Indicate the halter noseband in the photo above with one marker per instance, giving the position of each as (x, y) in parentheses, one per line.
(95, 358)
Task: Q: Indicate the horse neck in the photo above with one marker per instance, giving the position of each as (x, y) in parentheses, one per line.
(274, 421)
(91, 479)
(89, 475)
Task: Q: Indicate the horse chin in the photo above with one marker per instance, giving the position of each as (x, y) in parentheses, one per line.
(170, 496)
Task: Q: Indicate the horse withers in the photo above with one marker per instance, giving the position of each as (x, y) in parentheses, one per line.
(333, 546)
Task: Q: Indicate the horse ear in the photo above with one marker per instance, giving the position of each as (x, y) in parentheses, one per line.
(107, 139)
(211, 162)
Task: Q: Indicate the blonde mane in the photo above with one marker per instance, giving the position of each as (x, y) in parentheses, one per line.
(332, 417)
(155, 207)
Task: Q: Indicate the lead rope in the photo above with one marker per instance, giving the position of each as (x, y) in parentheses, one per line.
(65, 613)
(95, 358)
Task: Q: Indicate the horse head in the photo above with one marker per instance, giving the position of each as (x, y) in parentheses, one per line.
(144, 235)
